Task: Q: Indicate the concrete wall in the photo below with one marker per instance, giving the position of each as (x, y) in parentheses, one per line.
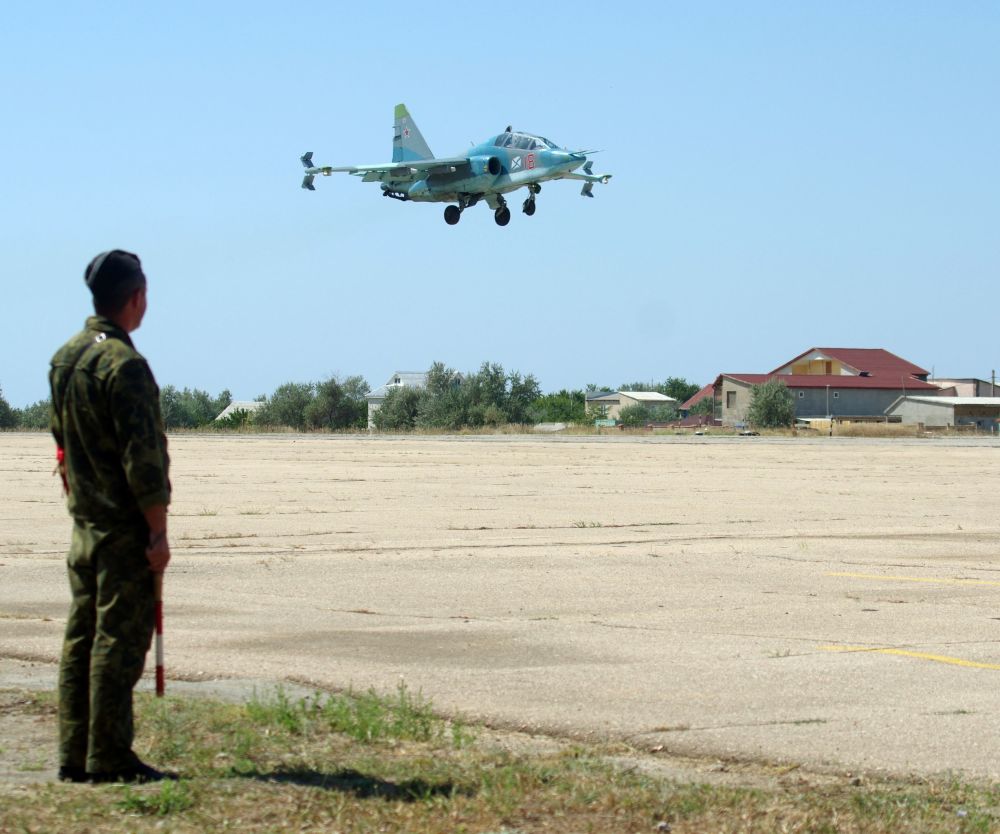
(850, 402)
(734, 401)
(929, 414)
(936, 415)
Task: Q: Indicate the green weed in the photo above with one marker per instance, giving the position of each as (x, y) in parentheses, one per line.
(171, 798)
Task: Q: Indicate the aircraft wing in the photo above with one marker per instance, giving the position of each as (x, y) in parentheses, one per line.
(404, 168)
(385, 170)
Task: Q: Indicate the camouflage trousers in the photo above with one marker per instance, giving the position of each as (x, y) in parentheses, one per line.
(108, 633)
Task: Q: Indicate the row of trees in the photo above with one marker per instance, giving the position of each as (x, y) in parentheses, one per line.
(451, 400)
(181, 409)
(30, 417)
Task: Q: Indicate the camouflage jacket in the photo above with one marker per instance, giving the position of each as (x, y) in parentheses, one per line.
(106, 419)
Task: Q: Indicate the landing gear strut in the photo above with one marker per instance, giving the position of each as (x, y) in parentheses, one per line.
(452, 214)
(502, 214)
(529, 205)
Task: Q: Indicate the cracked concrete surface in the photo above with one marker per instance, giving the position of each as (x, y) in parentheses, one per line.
(831, 603)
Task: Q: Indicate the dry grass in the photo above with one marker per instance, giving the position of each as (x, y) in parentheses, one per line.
(366, 764)
(874, 430)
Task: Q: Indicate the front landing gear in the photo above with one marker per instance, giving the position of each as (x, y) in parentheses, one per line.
(529, 205)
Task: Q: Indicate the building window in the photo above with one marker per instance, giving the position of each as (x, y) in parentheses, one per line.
(836, 394)
(730, 399)
(801, 394)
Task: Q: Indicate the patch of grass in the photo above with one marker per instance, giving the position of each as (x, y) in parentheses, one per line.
(371, 763)
(365, 717)
(169, 798)
(36, 766)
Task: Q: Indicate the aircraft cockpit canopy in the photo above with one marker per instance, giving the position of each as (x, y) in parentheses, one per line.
(523, 142)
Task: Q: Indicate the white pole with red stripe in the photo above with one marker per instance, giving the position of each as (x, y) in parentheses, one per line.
(158, 607)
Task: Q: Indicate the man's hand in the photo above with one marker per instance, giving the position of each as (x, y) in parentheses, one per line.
(158, 549)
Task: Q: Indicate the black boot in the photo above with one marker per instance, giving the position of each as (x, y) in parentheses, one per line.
(68, 773)
(138, 774)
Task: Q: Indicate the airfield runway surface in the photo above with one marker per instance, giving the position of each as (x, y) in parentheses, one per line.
(830, 603)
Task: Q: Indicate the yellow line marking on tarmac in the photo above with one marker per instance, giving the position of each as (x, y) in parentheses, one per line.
(930, 579)
(936, 658)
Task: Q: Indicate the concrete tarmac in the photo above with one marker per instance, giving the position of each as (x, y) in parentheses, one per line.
(831, 603)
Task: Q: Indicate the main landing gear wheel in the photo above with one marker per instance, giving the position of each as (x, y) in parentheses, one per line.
(452, 214)
(502, 216)
(529, 206)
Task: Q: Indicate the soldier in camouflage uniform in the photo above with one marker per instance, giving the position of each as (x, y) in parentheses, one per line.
(113, 458)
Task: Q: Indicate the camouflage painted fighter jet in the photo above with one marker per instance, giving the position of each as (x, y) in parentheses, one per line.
(501, 164)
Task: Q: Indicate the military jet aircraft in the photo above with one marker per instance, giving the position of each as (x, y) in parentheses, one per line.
(501, 164)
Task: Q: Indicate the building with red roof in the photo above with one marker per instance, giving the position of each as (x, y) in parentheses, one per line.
(842, 383)
(874, 362)
(686, 406)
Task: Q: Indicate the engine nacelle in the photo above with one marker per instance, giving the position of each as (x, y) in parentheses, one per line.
(485, 165)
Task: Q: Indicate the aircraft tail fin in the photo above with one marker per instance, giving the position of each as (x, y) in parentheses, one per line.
(407, 142)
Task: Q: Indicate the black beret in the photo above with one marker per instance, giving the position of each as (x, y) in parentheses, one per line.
(113, 269)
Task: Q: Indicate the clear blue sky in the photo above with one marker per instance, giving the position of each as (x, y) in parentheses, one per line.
(786, 174)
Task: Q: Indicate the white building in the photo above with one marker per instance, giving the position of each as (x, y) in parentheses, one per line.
(400, 379)
(939, 412)
(609, 404)
(250, 406)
